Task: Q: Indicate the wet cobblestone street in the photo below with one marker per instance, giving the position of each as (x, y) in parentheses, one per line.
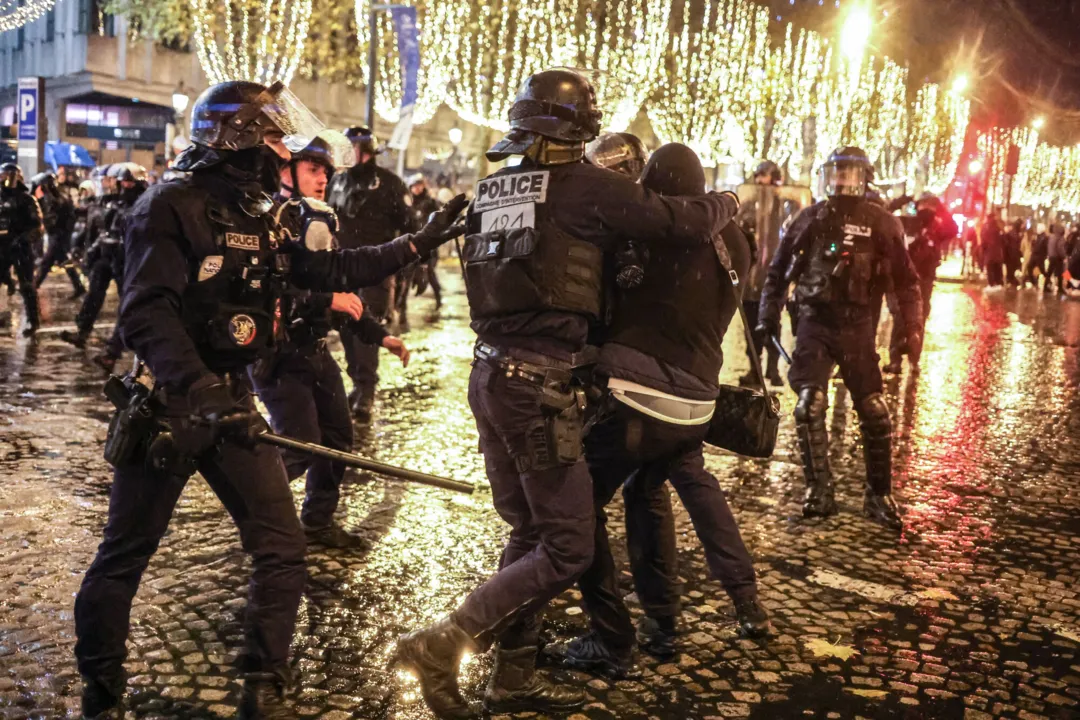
(973, 614)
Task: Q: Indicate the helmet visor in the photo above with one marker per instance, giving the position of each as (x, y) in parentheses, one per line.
(288, 114)
(331, 143)
(845, 179)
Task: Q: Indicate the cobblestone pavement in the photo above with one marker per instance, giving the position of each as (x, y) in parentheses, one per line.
(974, 613)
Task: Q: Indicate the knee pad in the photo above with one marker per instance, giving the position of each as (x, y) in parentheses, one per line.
(812, 405)
(874, 414)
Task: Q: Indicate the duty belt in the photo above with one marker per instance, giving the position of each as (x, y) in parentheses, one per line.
(543, 375)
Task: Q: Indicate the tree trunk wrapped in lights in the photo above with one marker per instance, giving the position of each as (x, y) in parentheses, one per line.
(260, 41)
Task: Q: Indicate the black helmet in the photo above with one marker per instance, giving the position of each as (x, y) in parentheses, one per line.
(768, 167)
(556, 104)
(46, 181)
(128, 171)
(234, 115)
(329, 149)
(10, 175)
(363, 138)
(622, 152)
(847, 173)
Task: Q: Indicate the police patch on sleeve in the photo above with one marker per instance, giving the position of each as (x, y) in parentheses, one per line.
(211, 266)
(242, 329)
(242, 242)
(505, 190)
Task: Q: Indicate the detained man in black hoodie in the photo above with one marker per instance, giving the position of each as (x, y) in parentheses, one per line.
(661, 358)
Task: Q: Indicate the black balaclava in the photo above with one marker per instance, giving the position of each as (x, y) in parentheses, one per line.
(674, 169)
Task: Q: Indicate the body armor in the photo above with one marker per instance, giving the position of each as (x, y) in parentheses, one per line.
(521, 262)
(842, 259)
(230, 310)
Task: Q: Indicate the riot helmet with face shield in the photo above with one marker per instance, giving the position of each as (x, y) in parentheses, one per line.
(847, 173)
(329, 151)
(10, 175)
(622, 152)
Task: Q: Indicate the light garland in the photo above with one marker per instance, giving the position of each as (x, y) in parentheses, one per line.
(14, 15)
(272, 53)
(1047, 175)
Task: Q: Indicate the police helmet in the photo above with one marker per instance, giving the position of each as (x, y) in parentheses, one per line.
(847, 173)
(47, 182)
(768, 167)
(10, 175)
(556, 104)
(622, 152)
(236, 115)
(363, 139)
(128, 172)
(415, 179)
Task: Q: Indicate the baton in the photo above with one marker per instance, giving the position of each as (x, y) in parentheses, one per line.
(780, 349)
(365, 464)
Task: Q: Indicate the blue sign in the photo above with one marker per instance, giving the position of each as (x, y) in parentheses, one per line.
(70, 154)
(408, 42)
(28, 108)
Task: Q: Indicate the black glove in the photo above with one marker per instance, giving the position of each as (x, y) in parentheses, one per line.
(441, 227)
(766, 328)
(216, 412)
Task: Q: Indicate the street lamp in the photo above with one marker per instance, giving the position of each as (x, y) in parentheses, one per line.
(455, 135)
(856, 33)
(1038, 122)
(975, 167)
(180, 102)
(960, 84)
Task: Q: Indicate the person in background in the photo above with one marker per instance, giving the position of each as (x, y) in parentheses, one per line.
(423, 204)
(1040, 248)
(993, 255)
(1012, 242)
(1057, 252)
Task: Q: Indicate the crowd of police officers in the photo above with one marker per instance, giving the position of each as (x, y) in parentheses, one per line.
(601, 282)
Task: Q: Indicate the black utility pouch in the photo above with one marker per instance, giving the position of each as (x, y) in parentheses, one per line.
(132, 425)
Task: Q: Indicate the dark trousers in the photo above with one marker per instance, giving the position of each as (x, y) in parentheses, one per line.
(844, 338)
(102, 273)
(252, 485)
(362, 359)
(1055, 269)
(631, 448)
(403, 283)
(306, 399)
(17, 256)
(898, 339)
(1034, 263)
(59, 248)
(994, 274)
(433, 279)
(549, 511)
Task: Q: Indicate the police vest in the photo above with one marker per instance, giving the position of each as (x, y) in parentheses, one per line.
(844, 260)
(521, 261)
(229, 309)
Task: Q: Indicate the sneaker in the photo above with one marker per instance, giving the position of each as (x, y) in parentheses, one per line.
(752, 618)
(590, 654)
(657, 640)
(334, 536)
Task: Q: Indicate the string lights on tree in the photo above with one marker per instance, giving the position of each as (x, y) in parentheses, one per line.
(16, 13)
(260, 41)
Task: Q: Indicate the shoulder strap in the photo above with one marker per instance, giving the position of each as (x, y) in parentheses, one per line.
(736, 292)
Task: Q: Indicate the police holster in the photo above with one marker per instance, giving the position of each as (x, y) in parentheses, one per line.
(132, 427)
(556, 439)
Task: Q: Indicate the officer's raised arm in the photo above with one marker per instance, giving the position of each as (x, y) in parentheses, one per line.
(150, 316)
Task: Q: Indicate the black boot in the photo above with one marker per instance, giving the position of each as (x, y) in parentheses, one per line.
(99, 703)
(876, 427)
(334, 536)
(893, 368)
(78, 339)
(658, 636)
(515, 686)
(883, 510)
(263, 698)
(361, 403)
(589, 653)
(105, 361)
(434, 655)
(752, 618)
(820, 500)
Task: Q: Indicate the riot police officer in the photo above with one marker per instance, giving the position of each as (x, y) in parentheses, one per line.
(59, 213)
(371, 208)
(540, 235)
(205, 269)
(20, 228)
(300, 384)
(842, 254)
(105, 254)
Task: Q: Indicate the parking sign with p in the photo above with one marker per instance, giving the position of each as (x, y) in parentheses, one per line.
(28, 108)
